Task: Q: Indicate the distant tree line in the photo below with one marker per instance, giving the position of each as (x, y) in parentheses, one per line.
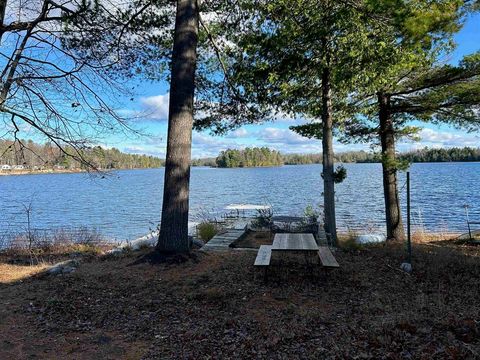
(344, 157)
(210, 161)
(47, 156)
(252, 157)
(431, 155)
(442, 155)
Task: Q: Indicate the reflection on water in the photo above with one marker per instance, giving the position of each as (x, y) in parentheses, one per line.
(127, 204)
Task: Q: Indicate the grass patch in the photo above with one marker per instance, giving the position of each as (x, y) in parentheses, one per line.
(36, 248)
(207, 230)
(253, 239)
(10, 273)
(347, 241)
(420, 236)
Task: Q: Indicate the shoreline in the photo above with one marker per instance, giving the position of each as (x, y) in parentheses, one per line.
(337, 163)
(78, 171)
(65, 171)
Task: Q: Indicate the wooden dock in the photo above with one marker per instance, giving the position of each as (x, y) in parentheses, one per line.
(221, 242)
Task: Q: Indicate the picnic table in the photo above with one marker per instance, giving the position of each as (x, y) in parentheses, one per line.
(295, 243)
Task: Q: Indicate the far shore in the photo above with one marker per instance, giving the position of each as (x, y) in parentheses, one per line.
(75, 171)
(60, 171)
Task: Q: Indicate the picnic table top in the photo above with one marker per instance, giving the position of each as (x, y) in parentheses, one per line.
(294, 242)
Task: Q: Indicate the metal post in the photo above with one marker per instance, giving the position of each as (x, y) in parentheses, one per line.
(409, 242)
(468, 223)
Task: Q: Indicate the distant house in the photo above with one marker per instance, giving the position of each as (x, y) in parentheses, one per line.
(5, 167)
(18, 167)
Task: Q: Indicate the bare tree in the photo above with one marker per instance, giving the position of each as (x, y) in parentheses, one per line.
(49, 90)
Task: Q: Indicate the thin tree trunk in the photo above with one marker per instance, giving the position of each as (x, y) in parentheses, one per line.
(328, 162)
(3, 6)
(173, 236)
(390, 188)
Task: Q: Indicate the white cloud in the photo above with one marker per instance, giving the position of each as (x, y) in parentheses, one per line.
(438, 139)
(287, 141)
(209, 146)
(144, 151)
(449, 138)
(135, 149)
(156, 107)
(282, 136)
(239, 133)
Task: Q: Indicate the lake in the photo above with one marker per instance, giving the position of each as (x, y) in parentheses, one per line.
(127, 203)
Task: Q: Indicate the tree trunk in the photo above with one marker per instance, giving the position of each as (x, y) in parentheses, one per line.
(3, 6)
(392, 203)
(328, 163)
(173, 236)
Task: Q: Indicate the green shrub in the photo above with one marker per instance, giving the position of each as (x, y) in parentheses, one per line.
(311, 215)
(263, 218)
(207, 230)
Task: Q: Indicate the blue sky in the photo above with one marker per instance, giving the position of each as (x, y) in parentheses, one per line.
(152, 98)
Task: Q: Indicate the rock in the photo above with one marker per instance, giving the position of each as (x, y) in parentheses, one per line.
(54, 270)
(64, 267)
(407, 267)
(115, 251)
(149, 240)
(68, 269)
(370, 239)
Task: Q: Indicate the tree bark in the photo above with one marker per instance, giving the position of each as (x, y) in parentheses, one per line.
(328, 162)
(393, 215)
(3, 6)
(173, 237)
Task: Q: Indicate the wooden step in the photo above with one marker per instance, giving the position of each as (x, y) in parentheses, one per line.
(326, 257)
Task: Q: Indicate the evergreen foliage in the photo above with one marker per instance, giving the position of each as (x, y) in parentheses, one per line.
(415, 156)
(250, 157)
(442, 155)
(49, 156)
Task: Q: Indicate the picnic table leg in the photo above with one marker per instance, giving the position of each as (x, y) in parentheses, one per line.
(308, 263)
(265, 273)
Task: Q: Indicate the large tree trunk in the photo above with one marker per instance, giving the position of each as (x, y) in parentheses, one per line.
(392, 203)
(328, 163)
(173, 236)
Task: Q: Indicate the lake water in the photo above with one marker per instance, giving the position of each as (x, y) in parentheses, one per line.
(127, 204)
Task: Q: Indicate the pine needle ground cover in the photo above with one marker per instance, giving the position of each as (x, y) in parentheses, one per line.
(213, 306)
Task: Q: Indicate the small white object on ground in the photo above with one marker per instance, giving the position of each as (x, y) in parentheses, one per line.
(63, 267)
(370, 238)
(407, 267)
(149, 240)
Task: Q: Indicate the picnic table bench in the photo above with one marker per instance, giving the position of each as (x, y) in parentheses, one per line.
(263, 256)
(295, 243)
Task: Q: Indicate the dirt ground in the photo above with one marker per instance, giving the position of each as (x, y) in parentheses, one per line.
(215, 306)
(253, 239)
